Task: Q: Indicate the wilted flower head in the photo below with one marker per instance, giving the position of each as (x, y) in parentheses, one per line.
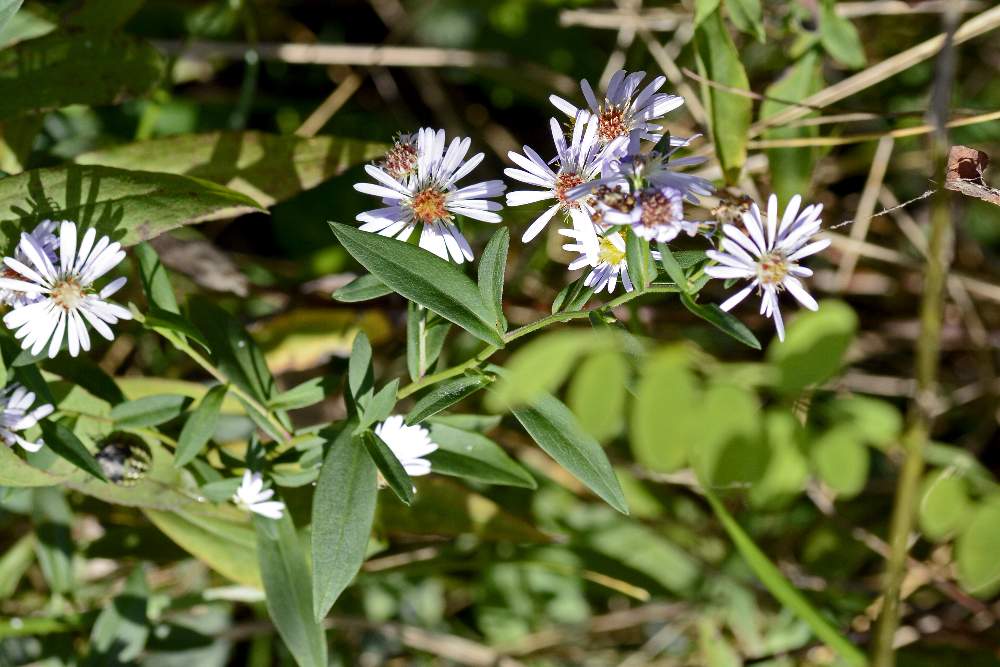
(419, 186)
(769, 257)
(253, 497)
(621, 111)
(65, 299)
(17, 415)
(409, 444)
(578, 163)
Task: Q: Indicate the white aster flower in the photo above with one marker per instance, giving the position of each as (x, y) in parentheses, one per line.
(17, 415)
(409, 444)
(578, 164)
(654, 214)
(622, 112)
(253, 497)
(418, 184)
(769, 258)
(605, 254)
(46, 240)
(67, 299)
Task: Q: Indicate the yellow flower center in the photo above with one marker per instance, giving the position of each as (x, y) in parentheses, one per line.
(68, 293)
(772, 268)
(428, 205)
(609, 252)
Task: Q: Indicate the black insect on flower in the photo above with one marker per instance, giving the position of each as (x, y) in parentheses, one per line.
(124, 458)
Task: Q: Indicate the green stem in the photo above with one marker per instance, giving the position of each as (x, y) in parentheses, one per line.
(510, 336)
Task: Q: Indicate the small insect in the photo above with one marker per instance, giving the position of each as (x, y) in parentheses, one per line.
(124, 458)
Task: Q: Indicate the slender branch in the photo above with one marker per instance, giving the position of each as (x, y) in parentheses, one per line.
(928, 352)
(510, 336)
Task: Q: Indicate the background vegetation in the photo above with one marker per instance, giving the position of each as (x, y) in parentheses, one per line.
(760, 483)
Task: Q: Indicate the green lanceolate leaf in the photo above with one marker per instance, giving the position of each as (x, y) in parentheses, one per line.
(129, 206)
(270, 168)
(200, 426)
(359, 368)
(729, 113)
(748, 16)
(15, 472)
(228, 548)
(638, 259)
(57, 70)
(302, 395)
(54, 544)
(287, 583)
(233, 349)
(14, 563)
(555, 429)
(7, 10)
(155, 281)
(342, 513)
(839, 37)
(491, 274)
(473, 456)
(390, 467)
(572, 297)
(721, 320)
(63, 442)
(381, 404)
(780, 588)
(672, 267)
(445, 394)
(149, 410)
(425, 336)
(362, 288)
(423, 278)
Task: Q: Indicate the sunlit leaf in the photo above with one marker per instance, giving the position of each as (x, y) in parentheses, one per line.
(200, 426)
(476, 457)
(976, 550)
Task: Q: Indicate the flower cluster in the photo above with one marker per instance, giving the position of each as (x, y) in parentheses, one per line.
(614, 175)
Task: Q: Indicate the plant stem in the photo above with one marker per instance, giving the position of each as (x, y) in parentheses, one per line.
(489, 350)
(914, 440)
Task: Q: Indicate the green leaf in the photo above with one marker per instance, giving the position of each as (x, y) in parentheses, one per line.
(444, 395)
(149, 410)
(791, 169)
(381, 405)
(60, 69)
(814, 345)
(423, 278)
(841, 460)
(343, 509)
(7, 10)
(787, 470)
(638, 259)
(781, 589)
(491, 274)
(665, 415)
(839, 37)
(748, 17)
(234, 351)
(84, 373)
(359, 368)
(543, 364)
(721, 320)
(672, 267)
(877, 422)
(572, 297)
(390, 467)
(704, 8)
(945, 506)
(54, 543)
(99, 15)
(976, 551)
(120, 632)
(597, 394)
(729, 113)
(269, 168)
(287, 583)
(200, 426)
(476, 457)
(228, 548)
(130, 206)
(63, 442)
(362, 288)
(425, 336)
(16, 472)
(555, 429)
(14, 562)
(302, 395)
(729, 448)
(155, 280)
